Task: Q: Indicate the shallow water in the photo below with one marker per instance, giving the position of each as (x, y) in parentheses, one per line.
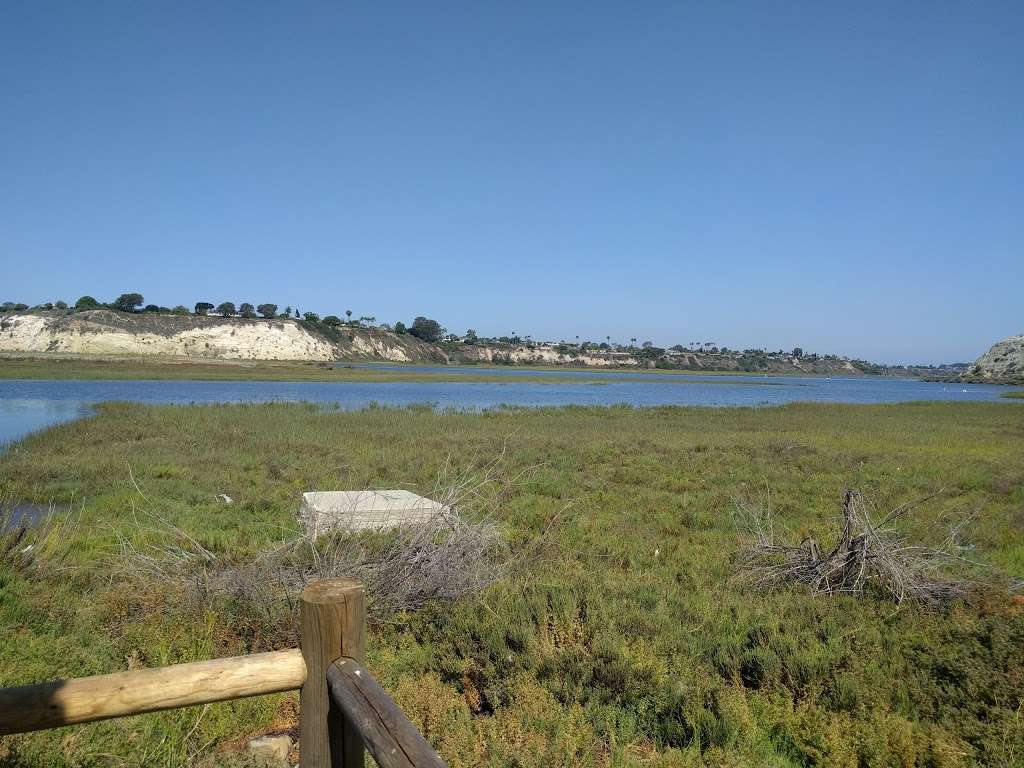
(29, 405)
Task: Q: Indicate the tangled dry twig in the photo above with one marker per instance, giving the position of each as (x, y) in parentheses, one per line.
(870, 553)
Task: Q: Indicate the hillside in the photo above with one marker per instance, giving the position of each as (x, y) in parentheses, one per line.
(106, 332)
(103, 332)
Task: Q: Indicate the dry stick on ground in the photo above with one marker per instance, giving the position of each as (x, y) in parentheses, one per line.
(868, 552)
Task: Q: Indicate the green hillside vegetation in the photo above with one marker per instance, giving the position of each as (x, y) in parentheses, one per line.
(626, 642)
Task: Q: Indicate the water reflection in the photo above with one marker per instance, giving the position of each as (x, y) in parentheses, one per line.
(21, 416)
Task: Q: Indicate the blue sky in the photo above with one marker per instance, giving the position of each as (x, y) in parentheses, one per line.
(846, 177)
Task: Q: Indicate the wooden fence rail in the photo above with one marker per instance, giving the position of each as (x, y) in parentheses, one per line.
(82, 700)
(342, 709)
(393, 741)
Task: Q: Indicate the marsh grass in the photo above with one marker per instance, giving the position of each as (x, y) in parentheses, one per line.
(166, 369)
(35, 538)
(628, 645)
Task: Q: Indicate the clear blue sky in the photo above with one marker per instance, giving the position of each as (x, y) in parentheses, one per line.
(847, 176)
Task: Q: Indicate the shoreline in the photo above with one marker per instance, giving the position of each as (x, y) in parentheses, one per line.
(67, 366)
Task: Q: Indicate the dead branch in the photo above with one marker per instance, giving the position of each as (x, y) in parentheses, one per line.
(869, 554)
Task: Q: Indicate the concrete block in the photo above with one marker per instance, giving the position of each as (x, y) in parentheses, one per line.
(324, 511)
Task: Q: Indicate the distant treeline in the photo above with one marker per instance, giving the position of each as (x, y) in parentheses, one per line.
(712, 356)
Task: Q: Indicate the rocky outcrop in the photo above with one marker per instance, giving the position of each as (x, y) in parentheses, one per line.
(1003, 362)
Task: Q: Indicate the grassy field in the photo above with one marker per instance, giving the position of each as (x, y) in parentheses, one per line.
(1017, 394)
(166, 369)
(628, 643)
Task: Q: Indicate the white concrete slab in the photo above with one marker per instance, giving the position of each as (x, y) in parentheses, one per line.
(325, 511)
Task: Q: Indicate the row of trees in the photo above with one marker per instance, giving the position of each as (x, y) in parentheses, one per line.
(245, 309)
(135, 303)
(422, 327)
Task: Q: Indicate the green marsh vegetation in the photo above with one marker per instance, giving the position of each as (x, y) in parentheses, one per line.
(629, 642)
(168, 369)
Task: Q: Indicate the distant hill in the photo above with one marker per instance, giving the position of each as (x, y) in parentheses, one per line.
(1003, 363)
(107, 332)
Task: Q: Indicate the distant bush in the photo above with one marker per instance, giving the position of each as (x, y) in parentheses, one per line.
(86, 302)
(151, 308)
(311, 317)
(226, 308)
(336, 334)
(400, 328)
(61, 304)
(332, 320)
(865, 367)
(181, 309)
(268, 310)
(128, 302)
(427, 330)
(247, 310)
(203, 308)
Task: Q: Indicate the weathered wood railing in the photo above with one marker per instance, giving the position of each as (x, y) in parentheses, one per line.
(342, 709)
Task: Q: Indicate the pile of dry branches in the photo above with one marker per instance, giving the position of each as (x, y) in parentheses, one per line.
(870, 553)
(458, 553)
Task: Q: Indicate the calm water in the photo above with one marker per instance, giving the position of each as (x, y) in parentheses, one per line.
(28, 405)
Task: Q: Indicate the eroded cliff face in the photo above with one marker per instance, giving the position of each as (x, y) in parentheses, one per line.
(102, 332)
(1004, 361)
(538, 355)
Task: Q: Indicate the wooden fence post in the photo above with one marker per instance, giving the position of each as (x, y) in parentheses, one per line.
(332, 616)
